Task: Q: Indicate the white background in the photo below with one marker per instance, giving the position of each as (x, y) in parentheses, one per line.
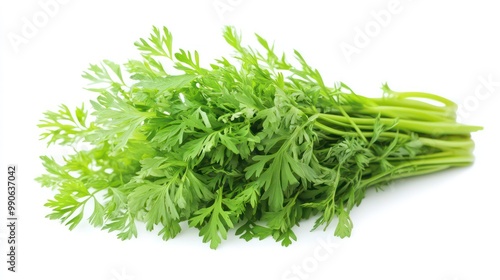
(443, 226)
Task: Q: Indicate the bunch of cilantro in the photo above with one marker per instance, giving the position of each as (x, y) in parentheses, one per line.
(251, 143)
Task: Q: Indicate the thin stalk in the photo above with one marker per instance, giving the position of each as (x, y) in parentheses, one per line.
(409, 103)
(446, 161)
(436, 143)
(427, 170)
(400, 112)
(431, 128)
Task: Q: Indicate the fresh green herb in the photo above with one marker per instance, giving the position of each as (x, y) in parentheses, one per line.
(251, 143)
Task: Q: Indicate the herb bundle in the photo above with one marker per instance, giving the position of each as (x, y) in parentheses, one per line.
(252, 143)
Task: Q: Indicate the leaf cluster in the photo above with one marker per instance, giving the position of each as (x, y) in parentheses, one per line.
(252, 143)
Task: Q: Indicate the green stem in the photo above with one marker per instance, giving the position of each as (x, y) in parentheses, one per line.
(431, 128)
(423, 171)
(400, 112)
(409, 103)
(419, 166)
(436, 143)
(411, 94)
